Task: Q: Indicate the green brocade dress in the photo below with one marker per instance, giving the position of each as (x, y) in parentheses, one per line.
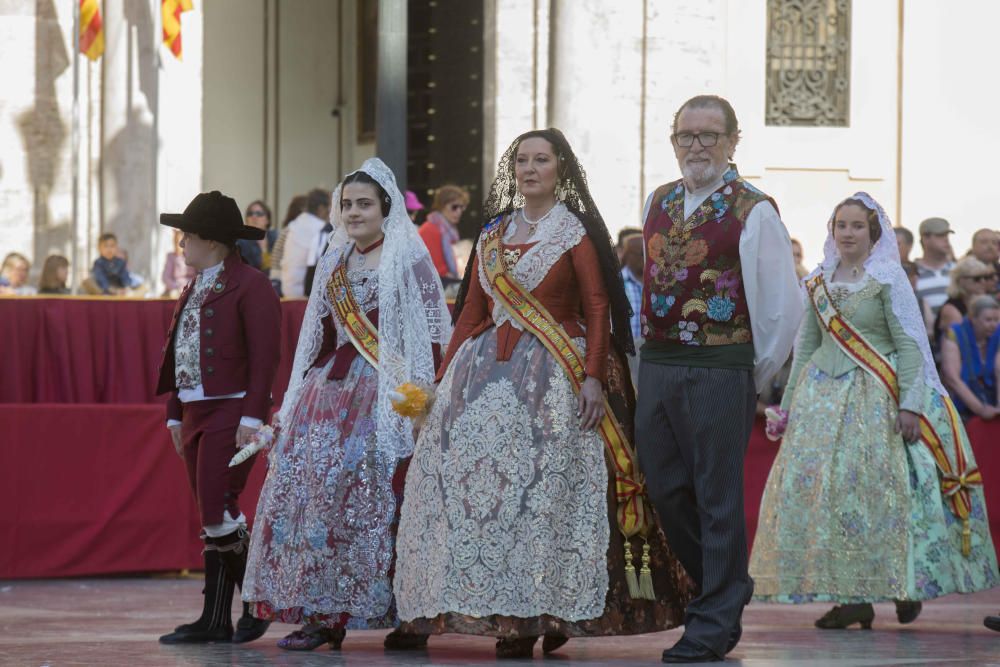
(851, 513)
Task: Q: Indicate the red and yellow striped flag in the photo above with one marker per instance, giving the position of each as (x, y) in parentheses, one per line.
(91, 29)
(171, 11)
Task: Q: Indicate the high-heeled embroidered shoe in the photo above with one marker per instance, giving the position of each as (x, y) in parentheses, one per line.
(551, 643)
(907, 611)
(301, 640)
(517, 647)
(404, 641)
(845, 615)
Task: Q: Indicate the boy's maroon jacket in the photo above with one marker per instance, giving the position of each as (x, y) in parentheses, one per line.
(240, 329)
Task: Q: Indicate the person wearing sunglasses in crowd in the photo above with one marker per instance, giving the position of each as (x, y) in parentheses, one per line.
(969, 279)
(256, 252)
(440, 230)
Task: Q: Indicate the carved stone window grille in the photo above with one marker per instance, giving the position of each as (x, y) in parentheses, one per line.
(808, 62)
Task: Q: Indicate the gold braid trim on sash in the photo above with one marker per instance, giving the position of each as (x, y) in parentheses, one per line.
(633, 515)
(955, 486)
(361, 332)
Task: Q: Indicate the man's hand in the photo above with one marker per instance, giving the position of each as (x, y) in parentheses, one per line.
(175, 436)
(244, 434)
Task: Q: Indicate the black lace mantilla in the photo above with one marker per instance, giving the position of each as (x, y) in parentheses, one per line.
(572, 190)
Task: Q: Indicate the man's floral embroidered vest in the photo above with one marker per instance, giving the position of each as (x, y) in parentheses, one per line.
(693, 283)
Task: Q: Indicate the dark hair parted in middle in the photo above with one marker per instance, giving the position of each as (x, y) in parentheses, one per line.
(362, 177)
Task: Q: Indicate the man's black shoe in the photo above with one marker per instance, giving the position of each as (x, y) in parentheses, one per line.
(198, 636)
(686, 650)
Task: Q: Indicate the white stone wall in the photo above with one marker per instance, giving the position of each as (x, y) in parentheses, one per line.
(950, 103)
(35, 129)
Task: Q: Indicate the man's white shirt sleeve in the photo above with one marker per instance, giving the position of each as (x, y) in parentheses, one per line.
(772, 290)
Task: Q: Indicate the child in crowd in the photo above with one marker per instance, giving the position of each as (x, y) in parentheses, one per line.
(110, 274)
(55, 274)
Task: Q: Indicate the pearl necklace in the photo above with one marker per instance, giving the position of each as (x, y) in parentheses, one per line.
(533, 224)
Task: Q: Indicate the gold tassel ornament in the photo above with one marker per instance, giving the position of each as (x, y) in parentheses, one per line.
(646, 591)
(630, 578)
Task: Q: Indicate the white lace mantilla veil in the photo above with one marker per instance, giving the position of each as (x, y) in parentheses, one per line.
(883, 265)
(413, 314)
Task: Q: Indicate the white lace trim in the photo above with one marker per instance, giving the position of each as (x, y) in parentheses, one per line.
(553, 238)
(506, 509)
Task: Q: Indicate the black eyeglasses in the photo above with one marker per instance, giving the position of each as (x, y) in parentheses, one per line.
(983, 277)
(457, 207)
(706, 139)
(256, 214)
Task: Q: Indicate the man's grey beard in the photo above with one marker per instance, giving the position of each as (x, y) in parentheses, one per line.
(709, 175)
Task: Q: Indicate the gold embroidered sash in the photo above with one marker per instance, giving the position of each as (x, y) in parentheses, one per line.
(955, 481)
(360, 331)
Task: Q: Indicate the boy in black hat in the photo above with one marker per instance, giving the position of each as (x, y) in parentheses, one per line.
(218, 365)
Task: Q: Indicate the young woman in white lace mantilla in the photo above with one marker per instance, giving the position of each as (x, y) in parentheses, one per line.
(323, 551)
(853, 511)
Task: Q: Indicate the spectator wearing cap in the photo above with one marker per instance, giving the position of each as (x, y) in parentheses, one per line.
(218, 365)
(934, 268)
(302, 248)
(413, 205)
(440, 230)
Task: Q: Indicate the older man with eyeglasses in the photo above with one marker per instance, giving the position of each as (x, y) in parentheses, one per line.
(720, 310)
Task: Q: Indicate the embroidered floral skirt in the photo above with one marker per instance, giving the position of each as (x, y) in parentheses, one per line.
(508, 528)
(322, 549)
(852, 514)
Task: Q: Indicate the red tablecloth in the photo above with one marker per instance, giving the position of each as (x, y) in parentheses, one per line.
(96, 489)
(99, 350)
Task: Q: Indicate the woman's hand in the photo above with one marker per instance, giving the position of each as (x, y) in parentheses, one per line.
(777, 422)
(908, 425)
(989, 412)
(590, 405)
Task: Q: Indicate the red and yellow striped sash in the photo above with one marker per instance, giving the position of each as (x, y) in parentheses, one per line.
(361, 332)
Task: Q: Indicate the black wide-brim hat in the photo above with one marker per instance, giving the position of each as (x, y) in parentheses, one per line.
(213, 216)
